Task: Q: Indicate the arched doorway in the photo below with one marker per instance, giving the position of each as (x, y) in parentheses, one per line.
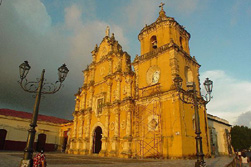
(3, 134)
(97, 143)
(41, 142)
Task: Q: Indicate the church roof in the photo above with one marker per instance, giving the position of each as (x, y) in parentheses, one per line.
(163, 18)
(218, 119)
(26, 115)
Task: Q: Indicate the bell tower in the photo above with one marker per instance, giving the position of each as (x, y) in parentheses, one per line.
(164, 54)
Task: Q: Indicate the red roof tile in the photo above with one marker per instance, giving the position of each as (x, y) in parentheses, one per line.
(26, 115)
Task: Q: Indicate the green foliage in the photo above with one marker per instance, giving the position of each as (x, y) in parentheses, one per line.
(241, 137)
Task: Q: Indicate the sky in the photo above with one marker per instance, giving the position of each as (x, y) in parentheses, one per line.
(48, 33)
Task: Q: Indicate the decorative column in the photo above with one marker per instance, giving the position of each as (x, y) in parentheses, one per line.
(83, 101)
(108, 98)
(92, 73)
(118, 95)
(77, 104)
(136, 79)
(75, 122)
(80, 132)
(129, 122)
(115, 141)
(173, 61)
(110, 67)
(86, 143)
(129, 87)
(117, 121)
(91, 97)
(85, 76)
(104, 139)
(127, 149)
(74, 133)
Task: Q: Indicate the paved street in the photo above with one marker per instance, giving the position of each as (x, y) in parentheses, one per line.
(12, 159)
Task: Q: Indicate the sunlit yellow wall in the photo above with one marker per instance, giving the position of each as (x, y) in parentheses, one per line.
(220, 126)
(130, 96)
(110, 77)
(67, 127)
(17, 129)
(172, 58)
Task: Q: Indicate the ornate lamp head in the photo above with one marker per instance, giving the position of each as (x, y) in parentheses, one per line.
(24, 69)
(62, 73)
(178, 81)
(208, 85)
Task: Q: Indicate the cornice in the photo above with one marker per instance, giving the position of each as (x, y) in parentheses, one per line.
(160, 22)
(160, 50)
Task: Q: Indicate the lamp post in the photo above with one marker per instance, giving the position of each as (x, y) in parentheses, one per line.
(190, 96)
(39, 87)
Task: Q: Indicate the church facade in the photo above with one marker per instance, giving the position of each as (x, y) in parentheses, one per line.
(123, 112)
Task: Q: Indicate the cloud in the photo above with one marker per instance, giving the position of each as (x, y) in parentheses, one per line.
(140, 12)
(85, 36)
(33, 14)
(137, 13)
(234, 13)
(28, 34)
(244, 119)
(231, 96)
(184, 6)
(73, 17)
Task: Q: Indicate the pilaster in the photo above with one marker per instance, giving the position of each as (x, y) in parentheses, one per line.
(127, 147)
(116, 137)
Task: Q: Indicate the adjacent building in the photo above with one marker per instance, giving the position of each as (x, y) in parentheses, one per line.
(220, 139)
(14, 126)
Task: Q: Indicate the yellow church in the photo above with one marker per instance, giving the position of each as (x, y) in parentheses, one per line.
(132, 109)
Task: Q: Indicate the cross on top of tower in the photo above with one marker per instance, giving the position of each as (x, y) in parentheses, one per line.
(161, 5)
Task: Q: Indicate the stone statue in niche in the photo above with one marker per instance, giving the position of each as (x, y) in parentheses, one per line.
(123, 124)
(114, 94)
(125, 90)
(153, 124)
(112, 126)
(107, 31)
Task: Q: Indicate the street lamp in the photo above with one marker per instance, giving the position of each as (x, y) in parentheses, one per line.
(39, 87)
(190, 96)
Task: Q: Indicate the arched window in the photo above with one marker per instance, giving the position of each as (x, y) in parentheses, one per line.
(153, 41)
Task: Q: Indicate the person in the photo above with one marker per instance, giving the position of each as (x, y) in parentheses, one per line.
(39, 160)
(239, 160)
(244, 159)
(248, 154)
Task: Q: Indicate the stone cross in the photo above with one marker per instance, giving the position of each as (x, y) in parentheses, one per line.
(161, 5)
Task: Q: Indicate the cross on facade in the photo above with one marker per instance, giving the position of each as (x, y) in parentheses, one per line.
(161, 5)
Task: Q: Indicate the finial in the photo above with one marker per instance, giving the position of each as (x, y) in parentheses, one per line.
(96, 48)
(162, 13)
(161, 5)
(107, 31)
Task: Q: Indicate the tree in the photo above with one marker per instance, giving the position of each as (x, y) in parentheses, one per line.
(240, 137)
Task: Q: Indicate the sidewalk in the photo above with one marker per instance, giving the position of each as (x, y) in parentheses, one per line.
(12, 159)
